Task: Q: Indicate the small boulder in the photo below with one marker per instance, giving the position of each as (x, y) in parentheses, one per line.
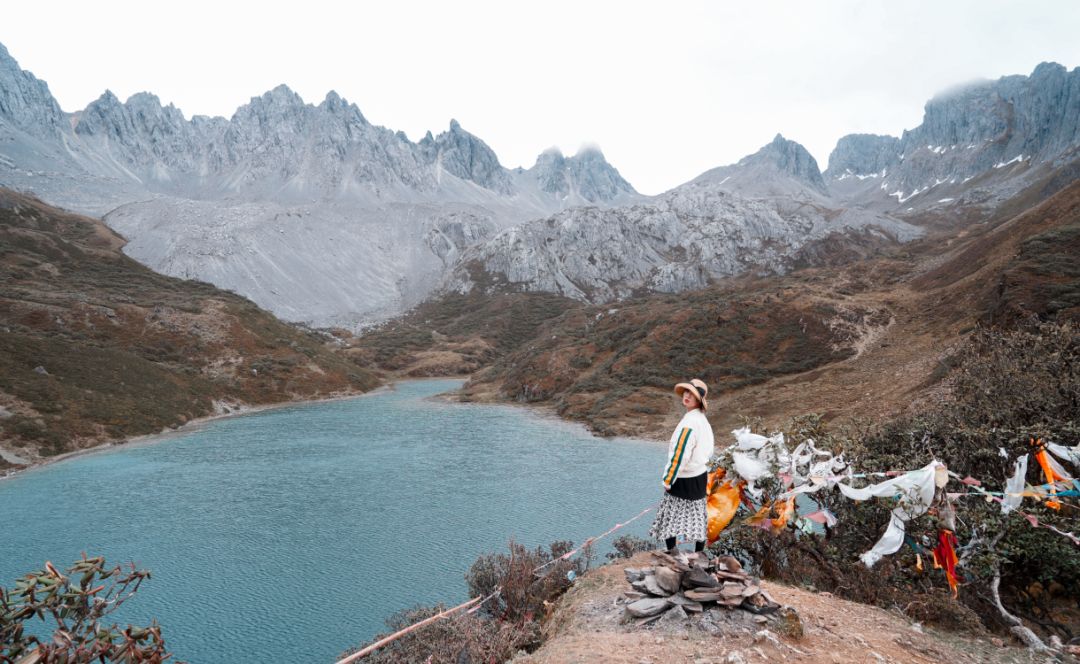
(699, 578)
(705, 595)
(668, 579)
(653, 587)
(633, 574)
(730, 564)
(788, 623)
(646, 608)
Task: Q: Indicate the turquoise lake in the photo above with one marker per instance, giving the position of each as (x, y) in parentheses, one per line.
(289, 535)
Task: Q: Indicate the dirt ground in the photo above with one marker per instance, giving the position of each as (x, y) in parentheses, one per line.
(588, 626)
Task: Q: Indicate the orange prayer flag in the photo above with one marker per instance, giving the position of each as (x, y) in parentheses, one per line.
(945, 557)
(784, 512)
(721, 503)
(1048, 471)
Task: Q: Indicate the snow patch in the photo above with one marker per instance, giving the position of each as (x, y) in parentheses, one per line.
(1003, 164)
(946, 200)
(862, 176)
(901, 198)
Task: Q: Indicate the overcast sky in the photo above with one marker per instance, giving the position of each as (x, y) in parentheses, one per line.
(666, 89)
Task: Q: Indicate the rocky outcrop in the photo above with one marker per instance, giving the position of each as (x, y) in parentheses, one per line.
(678, 241)
(586, 176)
(1000, 129)
(782, 168)
(469, 158)
(864, 155)
(25, 101)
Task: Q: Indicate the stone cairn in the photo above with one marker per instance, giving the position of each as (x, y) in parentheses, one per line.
(695, 585)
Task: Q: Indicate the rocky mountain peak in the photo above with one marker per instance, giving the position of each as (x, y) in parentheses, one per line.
(998, 127)
(550, 155)
(862, 154)
(462, 154)
(336, 105)
(25, 101)
(587, 175)
(789, 158)
(103, 115)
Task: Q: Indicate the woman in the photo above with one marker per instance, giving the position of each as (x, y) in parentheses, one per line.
(682, 509)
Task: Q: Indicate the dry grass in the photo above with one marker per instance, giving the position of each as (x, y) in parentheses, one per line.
(125, 351)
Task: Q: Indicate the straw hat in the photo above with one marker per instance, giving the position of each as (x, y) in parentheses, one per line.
(698, 388)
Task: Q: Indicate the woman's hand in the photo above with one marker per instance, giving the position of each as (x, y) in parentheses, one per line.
(667, 487)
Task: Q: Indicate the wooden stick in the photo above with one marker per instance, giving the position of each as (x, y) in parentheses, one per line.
(397, 635)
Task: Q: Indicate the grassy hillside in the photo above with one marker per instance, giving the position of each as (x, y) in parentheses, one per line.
(868, 336)
(95, 347)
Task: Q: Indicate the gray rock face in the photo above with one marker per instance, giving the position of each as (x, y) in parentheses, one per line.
(862, 154)
(783, 168)
(25, 101)
(467, 157)
(680, 240)
(586, 176)
(999, 130)
(310, 210)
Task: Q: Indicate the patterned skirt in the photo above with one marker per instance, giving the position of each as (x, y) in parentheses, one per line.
(680, 517)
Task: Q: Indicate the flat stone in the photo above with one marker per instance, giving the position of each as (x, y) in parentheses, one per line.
(730, 563)
(653, 587)
(648, 607)
(633, 574)
(640, 586)
(732, 576)
(734, 590)
(668, 579)
(699, 578)
(703, 595)
(679, 599)
(671, 562)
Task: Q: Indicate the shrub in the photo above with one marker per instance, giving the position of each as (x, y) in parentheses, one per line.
(627, 545)
(75, 610)
(507, 623)
(524, 592)
(460, 637)
(1008, 386)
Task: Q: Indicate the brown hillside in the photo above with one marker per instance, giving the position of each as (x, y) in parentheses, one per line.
(95, 347)
(866, 339)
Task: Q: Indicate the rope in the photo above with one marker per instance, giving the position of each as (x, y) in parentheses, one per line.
(480, 601)
(397, 635)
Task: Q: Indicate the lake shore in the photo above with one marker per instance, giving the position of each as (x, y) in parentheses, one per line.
(187, 427)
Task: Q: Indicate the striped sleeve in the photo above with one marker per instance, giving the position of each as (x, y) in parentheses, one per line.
(678, 452)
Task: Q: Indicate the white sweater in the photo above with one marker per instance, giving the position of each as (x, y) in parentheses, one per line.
(691, 447)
